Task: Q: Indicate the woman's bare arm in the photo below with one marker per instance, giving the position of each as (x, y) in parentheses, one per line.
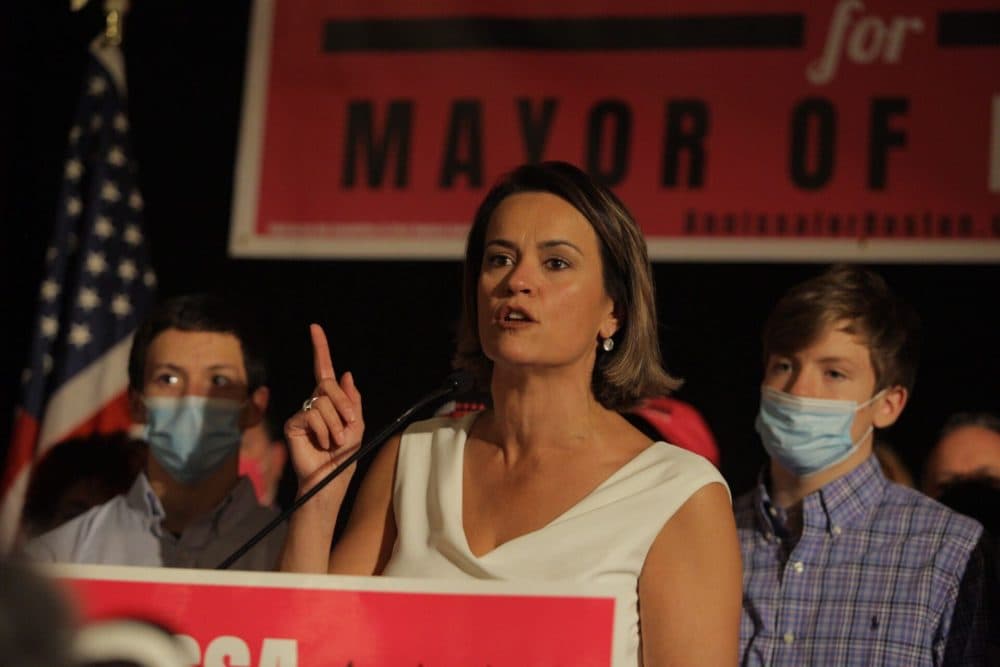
(367, 542)
(690, 588)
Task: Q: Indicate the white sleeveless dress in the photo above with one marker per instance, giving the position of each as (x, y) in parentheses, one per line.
(602, 539)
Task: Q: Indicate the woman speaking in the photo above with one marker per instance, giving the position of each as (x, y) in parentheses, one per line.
(551, 483)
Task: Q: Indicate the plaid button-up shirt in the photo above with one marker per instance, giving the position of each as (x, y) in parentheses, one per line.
(873, 579)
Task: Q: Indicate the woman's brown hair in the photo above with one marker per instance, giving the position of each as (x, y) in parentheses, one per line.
(633, 370)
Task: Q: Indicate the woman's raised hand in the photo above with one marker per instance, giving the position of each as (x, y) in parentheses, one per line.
(329, 426)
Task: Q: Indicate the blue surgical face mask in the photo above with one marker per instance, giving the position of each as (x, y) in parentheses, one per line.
(807, 435)
(191, 436)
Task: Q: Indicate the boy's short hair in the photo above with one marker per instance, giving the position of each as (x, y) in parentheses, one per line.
(859, 297)
(195, 312)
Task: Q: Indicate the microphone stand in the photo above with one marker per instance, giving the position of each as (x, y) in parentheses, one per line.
(457, 382)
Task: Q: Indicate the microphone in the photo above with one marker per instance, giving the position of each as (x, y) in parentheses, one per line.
(457, 383)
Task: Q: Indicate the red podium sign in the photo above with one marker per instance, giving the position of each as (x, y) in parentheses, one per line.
(242, 619)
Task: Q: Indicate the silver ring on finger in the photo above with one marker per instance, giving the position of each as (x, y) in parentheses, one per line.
(307, 405)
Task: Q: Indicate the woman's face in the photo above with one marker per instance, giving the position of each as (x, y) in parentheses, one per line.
(541, 291)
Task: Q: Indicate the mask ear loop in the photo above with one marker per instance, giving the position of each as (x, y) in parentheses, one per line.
(871, 427)
(861, 440)
(872, 399)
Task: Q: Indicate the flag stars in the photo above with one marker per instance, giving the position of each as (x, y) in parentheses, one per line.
(50, 290)
(103, 227)
(74, 134)
(135, 200)
(149, 279)
(46, 363)
(96, 263)
(88, 299)
(51, 254)
(132, 235)
(116, 156)
(96, 121)
(96, 86)
(120, 122)
(74, 206)
(49, 326)
(74, 169)
(110, 192)
(127, 270)
(79, 335)
(120, 306)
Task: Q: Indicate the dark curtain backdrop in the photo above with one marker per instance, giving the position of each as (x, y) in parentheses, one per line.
(391, 322)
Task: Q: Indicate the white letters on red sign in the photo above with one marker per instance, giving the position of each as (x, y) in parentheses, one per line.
(229, 651)
(869, 39)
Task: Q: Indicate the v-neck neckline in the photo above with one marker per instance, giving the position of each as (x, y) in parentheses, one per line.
(458, 516)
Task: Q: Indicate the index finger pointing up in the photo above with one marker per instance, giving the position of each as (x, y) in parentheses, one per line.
(322, 363)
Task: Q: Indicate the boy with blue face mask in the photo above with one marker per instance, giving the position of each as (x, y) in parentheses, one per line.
(195, 386)
(841, 566)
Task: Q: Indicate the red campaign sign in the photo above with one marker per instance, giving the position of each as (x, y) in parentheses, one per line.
(269, 619)
(846, 129)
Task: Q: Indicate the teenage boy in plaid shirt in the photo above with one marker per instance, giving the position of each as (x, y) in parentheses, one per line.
(841, 566)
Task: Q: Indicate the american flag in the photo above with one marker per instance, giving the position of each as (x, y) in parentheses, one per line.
(98, 284)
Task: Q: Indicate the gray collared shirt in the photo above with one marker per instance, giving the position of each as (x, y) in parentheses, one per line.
(128, 530)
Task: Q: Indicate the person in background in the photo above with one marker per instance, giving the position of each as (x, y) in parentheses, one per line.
(968, 446)
(551, 483)
(262, 460)
(37, 623)
(679, 423)
(196, 384)
(40, 626)
(842, 566)
(78, 474)
(977, 497)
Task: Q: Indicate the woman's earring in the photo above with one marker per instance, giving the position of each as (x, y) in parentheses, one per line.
(608, 344)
